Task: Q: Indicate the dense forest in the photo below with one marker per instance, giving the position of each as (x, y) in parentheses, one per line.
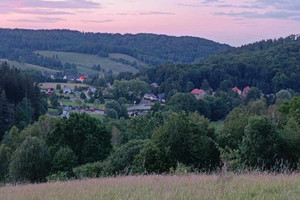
(18, 44)
(269, 65)
(21, 102)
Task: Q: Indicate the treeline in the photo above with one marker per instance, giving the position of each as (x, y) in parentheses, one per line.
(149, 48)
(253, 137)
(269, 65)
(21, 101)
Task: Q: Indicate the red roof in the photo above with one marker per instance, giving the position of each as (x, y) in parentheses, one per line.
(236, 89)
(246, 89)
(197, 91)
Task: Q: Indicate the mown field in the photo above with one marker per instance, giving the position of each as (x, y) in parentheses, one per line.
(70, 85)
(85, 62)
(211, 187)
(26, 66)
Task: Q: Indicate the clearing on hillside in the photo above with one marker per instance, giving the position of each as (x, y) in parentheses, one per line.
(26, 66)
(213, 187)
(69, 85)
(85, 62)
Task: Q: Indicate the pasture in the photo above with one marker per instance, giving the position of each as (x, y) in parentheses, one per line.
(212, 187)
(26, 66)
(85, 62)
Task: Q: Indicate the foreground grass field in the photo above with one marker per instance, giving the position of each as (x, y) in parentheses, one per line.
(213, 187)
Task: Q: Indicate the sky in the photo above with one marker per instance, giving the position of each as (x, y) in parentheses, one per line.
(234, 22)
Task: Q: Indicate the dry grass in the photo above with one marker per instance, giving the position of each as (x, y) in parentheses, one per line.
(163, 187)
(69, 85)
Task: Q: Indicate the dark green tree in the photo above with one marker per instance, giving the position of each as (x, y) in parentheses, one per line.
(23, 114)
(88, 138)
(260, 145)
(30, 162)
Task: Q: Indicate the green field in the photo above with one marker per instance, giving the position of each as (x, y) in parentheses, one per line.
(26, 66)
(85, 62)
(190, 187)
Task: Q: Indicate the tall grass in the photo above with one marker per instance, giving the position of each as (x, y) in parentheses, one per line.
(250, 186)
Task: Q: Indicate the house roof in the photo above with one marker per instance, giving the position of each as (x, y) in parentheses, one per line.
(246, 89)
(197, 91)
(236, 89)
(150, 95)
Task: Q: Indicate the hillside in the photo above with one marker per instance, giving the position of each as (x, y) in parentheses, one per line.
(26, 66)
(270, 65)
(212, 187)
(85, 62)
(17, 44)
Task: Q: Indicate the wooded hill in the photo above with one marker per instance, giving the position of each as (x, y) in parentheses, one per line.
(19, 45)
(269, 65)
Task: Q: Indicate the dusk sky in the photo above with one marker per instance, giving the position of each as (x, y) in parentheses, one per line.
(234, 22)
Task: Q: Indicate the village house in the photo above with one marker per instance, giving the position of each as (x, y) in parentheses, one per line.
(198, 93)
(70, 77)
(67, 90)
(237, 90)
(246, 90)
(141, 109)
(155, 85)
(150, 97)
(92, 89)
(161, 98)
(50, 91)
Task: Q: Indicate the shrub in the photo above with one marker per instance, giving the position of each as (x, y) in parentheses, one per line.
(64, 160)
(91, 170)
(31, 161)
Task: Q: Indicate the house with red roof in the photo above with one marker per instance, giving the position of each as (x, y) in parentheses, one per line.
(198, 93)
(246, 90)
(237, 90)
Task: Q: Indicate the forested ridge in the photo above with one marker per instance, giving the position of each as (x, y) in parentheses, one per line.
(19, 44)
(269, 65)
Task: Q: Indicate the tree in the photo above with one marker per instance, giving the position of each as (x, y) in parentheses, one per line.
(58, 86)
(218, 108)
(54, 100)
(23, 114)
(122, 160)
(183, 102)
(187, 139)
(88, 137)
(260, 145)
(234, 129)
(6, 115)
(30, 162)
(82, 95)
(64, 160)
(291, 137)
(291, 109)
(283, 95)
(5, 156)
(253, 94)
(205, 85)
(111, 113)
(113, 105)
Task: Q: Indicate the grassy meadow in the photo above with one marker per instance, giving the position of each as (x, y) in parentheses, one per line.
(26, 66)
(212, 187)
(85, 62)
(69, 85)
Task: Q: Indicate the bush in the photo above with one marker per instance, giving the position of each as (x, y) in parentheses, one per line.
(64, 160)
(91, 170)
(260, 145)
(59, 176)
(31, 161)
(187, 139)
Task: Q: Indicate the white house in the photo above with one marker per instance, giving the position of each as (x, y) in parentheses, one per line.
(67, 90)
